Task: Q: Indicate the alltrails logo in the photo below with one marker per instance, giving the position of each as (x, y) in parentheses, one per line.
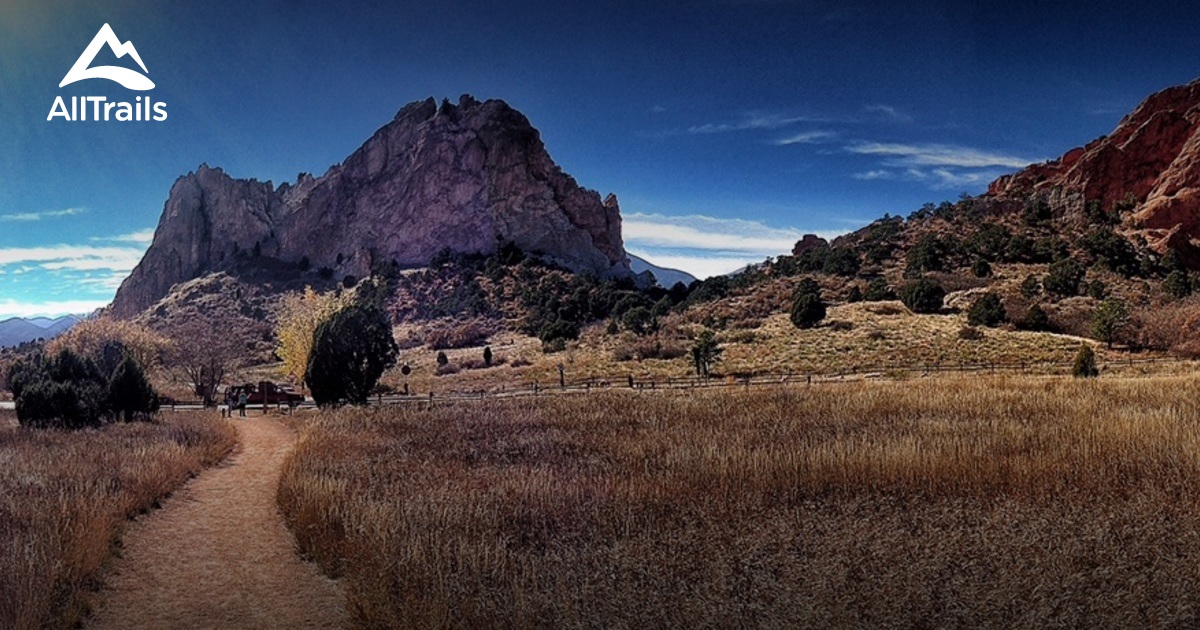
(141, 109)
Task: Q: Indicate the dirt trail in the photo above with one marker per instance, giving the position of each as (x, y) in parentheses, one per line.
(217, 555)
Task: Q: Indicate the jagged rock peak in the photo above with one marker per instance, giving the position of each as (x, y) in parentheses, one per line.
(465, 176)
(1148, 168)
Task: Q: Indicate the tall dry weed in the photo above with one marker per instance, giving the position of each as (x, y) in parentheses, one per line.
(972, 502)
(64, 497)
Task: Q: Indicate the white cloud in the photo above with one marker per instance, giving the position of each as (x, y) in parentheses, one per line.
(707, 233)
(700, 266)
(938, 155)
(12, 308)
(705, 246)
(751, 121)
(888, 112)
(870, 176)
(808, 137)
(140, 237)
(55, 257)
(38, 216)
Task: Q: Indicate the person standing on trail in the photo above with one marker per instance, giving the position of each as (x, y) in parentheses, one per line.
(242, 400)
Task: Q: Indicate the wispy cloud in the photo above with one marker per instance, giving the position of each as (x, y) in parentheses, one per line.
(888, 112)
(140, 237)
(753, 121)
(45, 214)
(67, 278)
(938, 155)
(706, 246)
(808, 137)
(937, 178)
(84, 257)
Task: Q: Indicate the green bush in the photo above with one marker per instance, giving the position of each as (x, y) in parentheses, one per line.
(807, 310)
(1031, 287)
(1177, 284)
(981, 269)
(1064, 278)
(66, 391)
(923, 296)
(1035, 319)
(988, 310)
(1085, 363)
(130, 395)
(878, 291)
(351, 350)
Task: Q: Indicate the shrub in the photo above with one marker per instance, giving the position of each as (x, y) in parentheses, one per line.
(807, 310)
(351, 350)
(855, 295)
(1031, 287)
(988, 310)
(639, 320)
(487, 356)
(1177, 284)
(559, 330)
(1035, 319)
(878, 291)
(923, 296)
(1085, 363)
(70, 391)
(926, 255)
(981, 269)
(1064, 278)
(129, 392)
(1097, 290)
(441, 359)
(841, 261)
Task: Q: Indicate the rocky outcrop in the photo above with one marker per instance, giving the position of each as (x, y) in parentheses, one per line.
(807, 243)
(468, 177)
(1148, 169)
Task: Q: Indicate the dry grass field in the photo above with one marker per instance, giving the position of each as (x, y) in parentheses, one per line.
(64, 498)
(998, 502)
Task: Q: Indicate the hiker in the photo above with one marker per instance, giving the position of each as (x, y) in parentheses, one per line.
(242, 400)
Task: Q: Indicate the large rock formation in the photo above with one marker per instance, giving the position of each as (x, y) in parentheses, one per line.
(468, 177)
(1149, 168)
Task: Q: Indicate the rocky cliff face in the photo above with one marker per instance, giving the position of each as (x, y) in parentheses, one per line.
(1149, 167)
(468, 177)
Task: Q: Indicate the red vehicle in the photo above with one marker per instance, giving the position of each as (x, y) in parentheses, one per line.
(265, 393)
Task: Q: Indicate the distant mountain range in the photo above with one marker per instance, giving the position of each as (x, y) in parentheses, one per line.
(666, 278)
(17, 330)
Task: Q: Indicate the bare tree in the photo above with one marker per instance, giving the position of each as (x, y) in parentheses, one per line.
(204, 351)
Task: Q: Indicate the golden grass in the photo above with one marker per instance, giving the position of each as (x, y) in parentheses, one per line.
(65, 496)
(967, 502)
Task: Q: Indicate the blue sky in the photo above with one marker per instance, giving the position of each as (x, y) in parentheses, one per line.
(726, 127)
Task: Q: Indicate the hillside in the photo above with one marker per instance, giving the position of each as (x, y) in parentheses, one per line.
(1053, 243)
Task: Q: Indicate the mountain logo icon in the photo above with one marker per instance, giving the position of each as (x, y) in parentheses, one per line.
(131, 79)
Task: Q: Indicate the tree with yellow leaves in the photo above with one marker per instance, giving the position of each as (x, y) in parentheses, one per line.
(299, 316)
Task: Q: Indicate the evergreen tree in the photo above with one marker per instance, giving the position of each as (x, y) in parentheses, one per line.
(351, 350)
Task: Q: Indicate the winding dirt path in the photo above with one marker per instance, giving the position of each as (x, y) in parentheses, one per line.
(218, 555)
